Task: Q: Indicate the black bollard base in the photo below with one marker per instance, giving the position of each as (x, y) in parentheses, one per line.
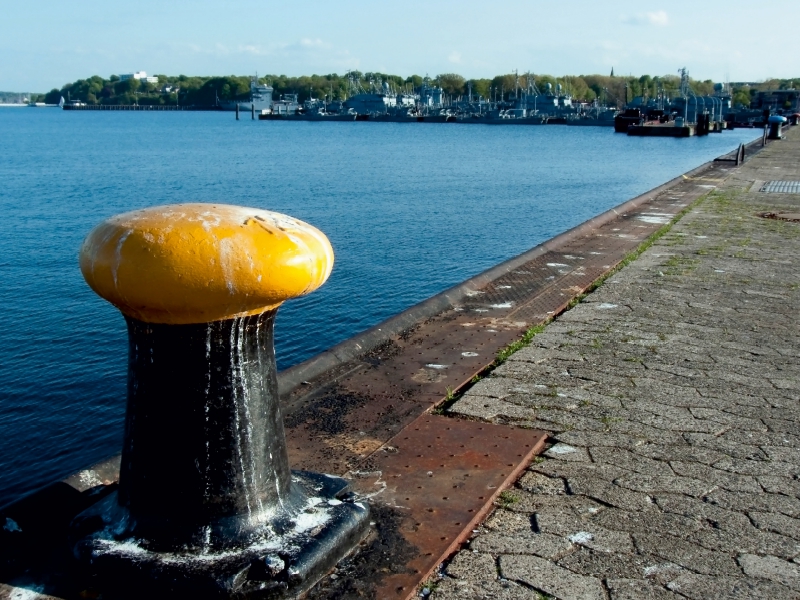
(292, 550)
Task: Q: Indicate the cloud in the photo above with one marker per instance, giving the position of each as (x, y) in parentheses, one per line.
(454, 57)
(301, 51)
(659, 18)
(308, 43)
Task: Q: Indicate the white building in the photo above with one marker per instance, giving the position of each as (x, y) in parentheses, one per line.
(140, 75)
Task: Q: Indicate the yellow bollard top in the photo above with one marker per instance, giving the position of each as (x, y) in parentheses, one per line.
(195, 263)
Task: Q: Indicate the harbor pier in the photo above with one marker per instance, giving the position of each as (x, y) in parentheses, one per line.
(671, 397)
(396, 412)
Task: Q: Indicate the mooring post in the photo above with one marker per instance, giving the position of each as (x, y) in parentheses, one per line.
(237, 111)
(253, 112)
(207, 505)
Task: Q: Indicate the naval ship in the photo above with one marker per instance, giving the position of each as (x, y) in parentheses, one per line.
(260, 97)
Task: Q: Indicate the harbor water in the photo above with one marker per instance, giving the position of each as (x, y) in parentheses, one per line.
(410, 210)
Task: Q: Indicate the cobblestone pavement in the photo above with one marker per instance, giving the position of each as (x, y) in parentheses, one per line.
(673, 397)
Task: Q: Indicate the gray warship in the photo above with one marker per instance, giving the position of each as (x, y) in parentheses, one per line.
(260, 98)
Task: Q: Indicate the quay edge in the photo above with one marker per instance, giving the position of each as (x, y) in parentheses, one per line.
(88, 485)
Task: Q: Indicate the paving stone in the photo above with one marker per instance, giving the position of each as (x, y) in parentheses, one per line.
(631, 461)
(568, 453)
(733, 449)
(755, 502)
(473, 566)
(703, 587)
(562, 420)
(674, 417)
(603, 565)
(600, 438)
(772, 568)
(487, 408)
(650, 484)
(727, 481)
(748, 540)
(736, 421)
(688, 555)
(650, 522)
(780, 485)
(540, 544)
(528, 504)
(638, 589)
(499, 387)
(536, 483)
(608, 493)
(682, 452)
(509, 521)
(758, 467)
(693, 508)
(776, 523)
(535, 354)
(459, 589)
(551, 579)
(582, 531)
(783, 454)
(769, 438)
(561, 520)
(686, 424)
(600, 539)
(597, 471)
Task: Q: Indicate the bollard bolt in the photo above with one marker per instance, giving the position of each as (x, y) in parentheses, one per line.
(207, 506)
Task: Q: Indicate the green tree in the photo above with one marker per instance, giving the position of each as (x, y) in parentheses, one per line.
(414, 80)
(480, 87)
(451, 83)
(53, 96)
(741, 97)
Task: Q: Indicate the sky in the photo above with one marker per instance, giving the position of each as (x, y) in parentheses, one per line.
(46, 44)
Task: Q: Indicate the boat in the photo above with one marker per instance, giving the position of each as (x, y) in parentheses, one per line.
(260, 98)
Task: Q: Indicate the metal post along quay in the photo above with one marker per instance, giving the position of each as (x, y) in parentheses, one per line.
(207, 505)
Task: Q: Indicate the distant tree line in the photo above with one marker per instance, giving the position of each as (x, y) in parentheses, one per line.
(206, 91)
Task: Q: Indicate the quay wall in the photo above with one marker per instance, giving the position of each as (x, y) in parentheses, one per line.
(288, 380)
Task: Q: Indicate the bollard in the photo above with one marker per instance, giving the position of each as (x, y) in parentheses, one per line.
(207, 506)
(775, 126)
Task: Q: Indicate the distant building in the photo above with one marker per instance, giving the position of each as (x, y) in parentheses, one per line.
(140, 75)
(777, 99)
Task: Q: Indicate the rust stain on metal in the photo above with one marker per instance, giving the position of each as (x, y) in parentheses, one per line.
(447, 473)
(440, 477)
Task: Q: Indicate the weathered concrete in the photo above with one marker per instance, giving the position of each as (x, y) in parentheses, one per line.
(673, 397)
